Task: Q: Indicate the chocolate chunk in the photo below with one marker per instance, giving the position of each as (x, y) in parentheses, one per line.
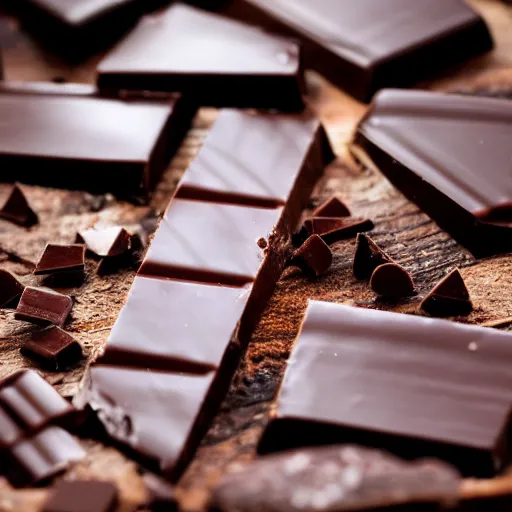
(10, 290)
(161, 496)
(87, 143)
(16, 209)
(82, 496)
(343, 478)
(333, 230)
(43, 306)
(449, 297)
(333, 207)
(61, 258)
(365, 46)
(53, 347)
(399, 382)
(106, 242)
(392, 280)
(367, 257)
(229, 64)
(314, 258)
(433, 148)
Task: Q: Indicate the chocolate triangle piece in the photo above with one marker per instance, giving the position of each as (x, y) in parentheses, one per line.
(333, 229)
(333, 207)
(10, 290)
(449, 297)
(61, 258)
(16, 209)
(367, 257)
(314, 257)
(106, 242)
(392, 280)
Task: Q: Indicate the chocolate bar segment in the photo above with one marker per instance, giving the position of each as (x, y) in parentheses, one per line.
(364, 46)
(43, 306)
(414, 386)
(450, 155)
(216, 61)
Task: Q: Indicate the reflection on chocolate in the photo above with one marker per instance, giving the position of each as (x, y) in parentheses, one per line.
(335, 229)
(82, 496)
(106, 242)
(216, 61)
(367, 257)
(314, 257)
(16, 209)
(48, 88)
(43, 306)
(392, 281)
(10, 289)
(61, 258)
(333, 207)
(412, 385)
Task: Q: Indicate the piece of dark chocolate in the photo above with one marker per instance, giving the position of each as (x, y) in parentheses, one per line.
(82, 496)
(333, 207)
(333, 230)
(57, 258)
(433, 147)
(10, 289)
(224, 64)
(412, 385)
(314, 257)
(161, 496)
(89, 143)
(106, 242)
(365, 46)
(392, 281)
(449, 297)
(43, 306)
(343, 478)
(231, 167)
(10, 431)
(367, 257)
(53, 348)
(16, 208)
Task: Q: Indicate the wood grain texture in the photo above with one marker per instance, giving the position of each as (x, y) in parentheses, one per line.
(408, 235)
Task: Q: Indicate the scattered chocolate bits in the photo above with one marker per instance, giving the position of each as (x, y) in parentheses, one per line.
(332, 229)
(392, 281)
(161, 496)
(337, 479)
(17, 210)
(333, 207)
(106, 242)
(367, 257)
(10, 290)
(82, 496)
(58, 258)
(314, 257)
(449, 297)
(53, 348)
(42, 306)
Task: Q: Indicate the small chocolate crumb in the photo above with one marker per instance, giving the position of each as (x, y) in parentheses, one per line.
(367, 257)
(333, 207)
(58, 258)
(10, 290)
(42, 306)
(449, 297)
(262, 243)
(314, 257)
(17, 210)
(106, 242)
(332, 229)
(161, 496)
(392, 280)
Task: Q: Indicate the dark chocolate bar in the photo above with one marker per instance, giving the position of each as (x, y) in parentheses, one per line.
(82, 496)
(451, 156)
(364, 46)
(96, 144)
(213, 60)
(414, 386)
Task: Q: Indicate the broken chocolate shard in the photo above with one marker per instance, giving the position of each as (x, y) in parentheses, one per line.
(367, 257)
(17, 209)
(449, 297)
(43, 306)
(10, 290)
(229, 64)
(82, 496)
(58, 258)
(53, 348)
(314, 258)
(333, 207)
(433, 147)
(106, 242)
(333, 230)
(161, 496)
(392, 281)
(339, 478)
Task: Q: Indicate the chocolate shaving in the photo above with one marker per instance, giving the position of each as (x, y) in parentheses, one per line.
(332, 229)
(17, 210)
(58, 258)
(392, 280)
(333, 207)
(367, 257)
(10, 290)
(314, 257)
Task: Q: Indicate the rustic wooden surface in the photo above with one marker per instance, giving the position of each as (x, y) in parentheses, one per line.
(407, 234)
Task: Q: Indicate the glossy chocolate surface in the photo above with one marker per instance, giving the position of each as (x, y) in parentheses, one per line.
(48, 88)
(366, 45)
(43, 306)
(450, 155)
(61, 258)
(82, 496)
(106, 242)
(414, 386)
(219, 62)
(232, 167)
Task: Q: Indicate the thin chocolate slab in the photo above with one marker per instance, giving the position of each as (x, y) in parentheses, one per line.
(333, 207)
(216, 61)
(43, 306)
(106, 242)
(451, 156)
(392, 281)
(366, 45)
(232, 167)
(412, 385)
(314, 257)
(10, 289)
(101, 145)
(82, 496)
(202, 320)
(61, 258)
(367, 257)
(17, 209)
